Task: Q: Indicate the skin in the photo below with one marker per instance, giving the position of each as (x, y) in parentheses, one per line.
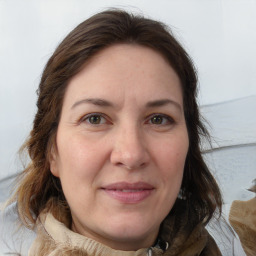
(122, 120)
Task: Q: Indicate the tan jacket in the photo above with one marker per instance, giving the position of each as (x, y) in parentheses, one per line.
(242, 217)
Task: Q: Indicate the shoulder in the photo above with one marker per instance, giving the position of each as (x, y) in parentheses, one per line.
(15, 238)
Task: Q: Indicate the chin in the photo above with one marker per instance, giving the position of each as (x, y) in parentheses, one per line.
(132, 231)
(130, 240)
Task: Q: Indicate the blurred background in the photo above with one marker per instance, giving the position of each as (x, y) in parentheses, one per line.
(220, 35)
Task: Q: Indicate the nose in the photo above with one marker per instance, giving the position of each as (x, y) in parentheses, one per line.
(130, 149)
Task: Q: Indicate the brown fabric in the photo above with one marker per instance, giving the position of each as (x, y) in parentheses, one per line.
(242, 217)
(55, 239)
(186, 238)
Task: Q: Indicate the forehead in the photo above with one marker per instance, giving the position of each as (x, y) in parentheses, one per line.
(126, 70)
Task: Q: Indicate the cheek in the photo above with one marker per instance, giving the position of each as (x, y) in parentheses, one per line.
(79, 166)
(78, 158)
(173, 153)
(171, 157)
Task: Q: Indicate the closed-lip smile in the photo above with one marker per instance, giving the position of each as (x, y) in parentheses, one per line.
(129, 193)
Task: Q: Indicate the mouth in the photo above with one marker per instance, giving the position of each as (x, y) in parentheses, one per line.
(129, 193)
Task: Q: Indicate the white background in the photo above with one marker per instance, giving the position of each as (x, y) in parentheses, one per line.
(220, 35)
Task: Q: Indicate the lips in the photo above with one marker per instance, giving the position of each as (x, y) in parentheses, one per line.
(129, 193)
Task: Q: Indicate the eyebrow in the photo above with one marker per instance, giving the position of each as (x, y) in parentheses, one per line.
(163, 102)
(94, 101)
(105, 103)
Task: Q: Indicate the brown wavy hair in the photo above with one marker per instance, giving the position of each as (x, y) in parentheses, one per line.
(37, 185)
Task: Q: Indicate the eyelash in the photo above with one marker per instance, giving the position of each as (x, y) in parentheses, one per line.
(168, 120)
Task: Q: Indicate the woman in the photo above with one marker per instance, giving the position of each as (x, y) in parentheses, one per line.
(116, 167)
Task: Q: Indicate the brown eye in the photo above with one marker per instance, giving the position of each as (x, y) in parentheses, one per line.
(156, 120)
(95, 119)
(161, 119)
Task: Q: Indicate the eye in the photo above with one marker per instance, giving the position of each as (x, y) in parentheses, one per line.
(160, 119)
(94, 119)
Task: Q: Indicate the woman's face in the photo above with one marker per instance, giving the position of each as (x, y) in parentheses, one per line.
(122, 142)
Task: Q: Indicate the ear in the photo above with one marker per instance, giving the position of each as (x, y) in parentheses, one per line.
(53, 161)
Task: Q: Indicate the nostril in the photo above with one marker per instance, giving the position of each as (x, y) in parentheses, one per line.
(132, 167)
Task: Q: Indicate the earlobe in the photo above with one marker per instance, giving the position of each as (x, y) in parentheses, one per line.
(53, 161)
